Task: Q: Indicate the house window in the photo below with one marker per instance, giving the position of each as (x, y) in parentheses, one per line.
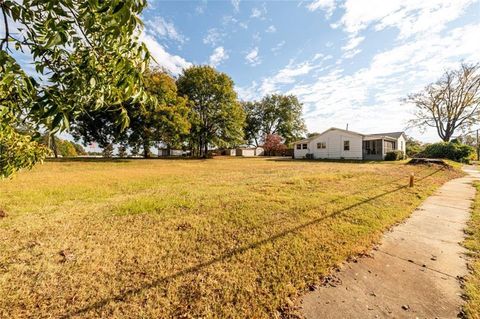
(346, 145)
(322, 145)
(304, 146)
(299, 146)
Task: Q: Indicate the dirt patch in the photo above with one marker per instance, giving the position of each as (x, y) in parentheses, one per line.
(3, 213)
(430, 162)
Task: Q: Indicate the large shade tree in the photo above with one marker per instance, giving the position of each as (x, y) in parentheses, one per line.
(217, 117)
(163, 118)
(86, 57)
(275, 114)
(451, 104)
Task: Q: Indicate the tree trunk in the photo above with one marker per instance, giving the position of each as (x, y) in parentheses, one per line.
(146, 149)
(169, 149)
(205, 154)
(54, 145)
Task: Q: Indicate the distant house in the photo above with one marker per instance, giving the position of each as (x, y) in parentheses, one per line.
(246, 151)
(170, 152)
(230, 152)
(336, 143)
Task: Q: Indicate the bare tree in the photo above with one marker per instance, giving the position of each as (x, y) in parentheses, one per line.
(450, 104)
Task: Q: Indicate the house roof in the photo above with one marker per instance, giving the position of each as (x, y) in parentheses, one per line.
(306, 140)
(394, 135)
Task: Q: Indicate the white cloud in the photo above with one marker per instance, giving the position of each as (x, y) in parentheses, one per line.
(286, 75)
(200, 8)
(327, 5)
(173, 63)
(353, 42)
(213, 37)
(164, 29)
(252, 57)
(256, 13)
(247, 93)
(350, 48)
(278, 47)
(271, 29)
(259, 13)
(236, 5)
(410, 17)
(218, 56)
(350, 54)
(370, 98)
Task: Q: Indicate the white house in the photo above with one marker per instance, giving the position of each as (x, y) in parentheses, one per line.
(336, 143)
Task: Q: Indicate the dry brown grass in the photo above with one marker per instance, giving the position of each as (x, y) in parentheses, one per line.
(472, 285)
(223, 238)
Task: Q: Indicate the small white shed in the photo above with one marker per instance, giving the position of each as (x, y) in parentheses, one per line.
(246, 152)
(231, 152)
(259, 151)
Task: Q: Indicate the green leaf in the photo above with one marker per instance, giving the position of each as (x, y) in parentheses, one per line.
(118, 7)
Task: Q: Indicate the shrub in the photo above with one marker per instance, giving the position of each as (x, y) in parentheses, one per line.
(453, 151)
(413, 147)
(394, 156)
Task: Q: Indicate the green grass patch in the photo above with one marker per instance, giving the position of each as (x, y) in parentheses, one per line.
(223, 238)
(472, 285)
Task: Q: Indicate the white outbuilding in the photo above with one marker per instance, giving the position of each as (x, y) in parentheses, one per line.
(246, 151)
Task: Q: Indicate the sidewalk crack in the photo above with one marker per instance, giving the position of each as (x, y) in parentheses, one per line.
(417, 264)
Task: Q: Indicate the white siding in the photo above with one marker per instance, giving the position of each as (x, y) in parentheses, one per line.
(246, 152)
(334, 148)
(299, 153)
(335, 141)
(401, 144)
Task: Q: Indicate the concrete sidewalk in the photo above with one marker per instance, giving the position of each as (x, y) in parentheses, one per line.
(414, 272)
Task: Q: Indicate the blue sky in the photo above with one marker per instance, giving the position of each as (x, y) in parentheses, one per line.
(348, 61)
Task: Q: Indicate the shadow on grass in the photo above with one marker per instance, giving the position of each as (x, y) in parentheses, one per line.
(119, 160)
(121, 297)
(88, 160)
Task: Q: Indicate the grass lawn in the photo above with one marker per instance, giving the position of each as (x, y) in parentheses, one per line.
(223, 238)
(472, 286)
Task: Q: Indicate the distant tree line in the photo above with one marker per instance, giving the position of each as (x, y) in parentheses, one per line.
(63, 148)
(197, 111)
